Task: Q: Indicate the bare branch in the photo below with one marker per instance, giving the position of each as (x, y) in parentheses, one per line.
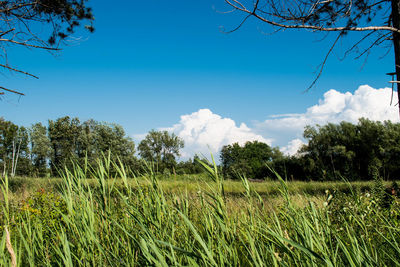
(19, 20)
(239, 26)
(240, 7)
(7, 32)
(30, 45)
(11, 91)
(15, 7)
(379, 17)
(324, 62)
(20, 71)
(354, 46)
(378, 41)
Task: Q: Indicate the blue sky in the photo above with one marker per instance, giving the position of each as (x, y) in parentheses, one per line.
(150, 62)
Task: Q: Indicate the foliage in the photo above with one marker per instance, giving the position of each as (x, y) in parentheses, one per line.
(355, 151)
(250, 160)
(352, 151)
(143, 226)
(63, 135)
(45, 207)
(189, 167)
(39, 24)
(162, 148)
(13, 148)
(40, 149)
(96, 139)
(66, 141)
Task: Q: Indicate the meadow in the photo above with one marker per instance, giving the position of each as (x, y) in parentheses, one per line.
(113, 219)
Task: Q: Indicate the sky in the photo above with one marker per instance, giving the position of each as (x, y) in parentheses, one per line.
(171, 65)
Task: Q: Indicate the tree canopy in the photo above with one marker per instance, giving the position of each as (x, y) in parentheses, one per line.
(334, 152)
(64, 142)
(353, 151)
(162, 148)
(249, 160)
(20, 21)
(41, 150)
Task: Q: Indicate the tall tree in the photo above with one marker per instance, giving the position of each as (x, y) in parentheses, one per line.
(250, 159)
(110, 137)
(13, 148)
(64, 135)
(356, 152)
(40, 149)
(161, 148)
(38, 24)
(86, 148)
(378, 20)
(20, 153)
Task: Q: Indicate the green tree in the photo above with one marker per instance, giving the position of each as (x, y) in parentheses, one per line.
(110, 138)
(40, 149)
(352, 151)
(86, 148)
(330, 150)
(162, 148)
(64, 135)
(14, 151)
(189, 166)
(250, 160)
(21, 153)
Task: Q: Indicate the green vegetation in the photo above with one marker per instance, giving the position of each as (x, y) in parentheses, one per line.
(20, 186)
(40, 151)
(119, 221)
(333, 151)
(162, 148)
(252, 159)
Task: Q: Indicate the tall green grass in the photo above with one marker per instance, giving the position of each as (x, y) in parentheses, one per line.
(137, 223)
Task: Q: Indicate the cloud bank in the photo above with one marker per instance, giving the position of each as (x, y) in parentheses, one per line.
(335, 107)
(204, 131)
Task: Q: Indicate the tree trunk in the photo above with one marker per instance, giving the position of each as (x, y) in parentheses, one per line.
(396, 42)
(13, 157)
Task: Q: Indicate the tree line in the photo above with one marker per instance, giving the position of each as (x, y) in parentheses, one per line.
(348, 151)
(40, 150)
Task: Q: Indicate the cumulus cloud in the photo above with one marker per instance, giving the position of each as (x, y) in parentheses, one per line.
(335, 107)
(293, 146)
(205, 132)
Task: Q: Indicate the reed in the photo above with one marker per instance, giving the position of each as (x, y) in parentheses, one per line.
(133, 222)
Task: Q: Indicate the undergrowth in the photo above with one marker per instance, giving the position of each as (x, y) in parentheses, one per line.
(139, 224)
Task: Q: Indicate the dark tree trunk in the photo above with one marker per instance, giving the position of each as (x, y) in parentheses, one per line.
(396, 42)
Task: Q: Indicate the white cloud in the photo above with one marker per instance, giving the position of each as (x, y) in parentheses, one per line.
(292, 147)
(205, 132)
(335, 107)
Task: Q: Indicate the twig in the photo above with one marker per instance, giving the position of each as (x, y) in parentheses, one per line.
(323, 63)
(20, 71)
(11, 91)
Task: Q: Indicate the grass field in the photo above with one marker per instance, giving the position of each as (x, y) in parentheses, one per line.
(194, 183)
(190, 221)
